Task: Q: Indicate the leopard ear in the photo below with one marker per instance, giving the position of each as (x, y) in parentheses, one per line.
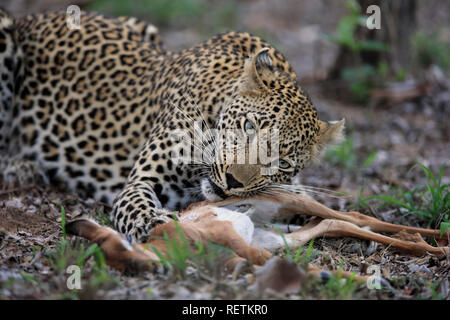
(259, 70)
(330, 133)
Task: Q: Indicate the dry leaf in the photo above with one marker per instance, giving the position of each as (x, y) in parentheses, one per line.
(406, 236)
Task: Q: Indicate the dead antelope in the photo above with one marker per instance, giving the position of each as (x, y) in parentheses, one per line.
(240, 224)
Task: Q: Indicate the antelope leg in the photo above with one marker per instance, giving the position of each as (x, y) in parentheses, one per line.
(289, 204)
(312, 207)
(339, 228)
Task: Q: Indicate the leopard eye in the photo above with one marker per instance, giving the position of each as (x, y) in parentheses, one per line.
(248, 128)
(283, 164)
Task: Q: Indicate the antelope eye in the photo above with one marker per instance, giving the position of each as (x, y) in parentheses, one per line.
(283, 164)
(248, 128)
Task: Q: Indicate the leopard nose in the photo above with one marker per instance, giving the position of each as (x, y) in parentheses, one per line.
(232, 183)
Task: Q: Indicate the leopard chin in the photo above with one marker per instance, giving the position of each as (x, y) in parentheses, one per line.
(211, 191)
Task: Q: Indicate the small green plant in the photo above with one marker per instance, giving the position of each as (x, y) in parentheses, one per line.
(445, 226)
(369, 160)
(178, 252)
(103, 218)
(344, 155)
(340, 288)
(305, 258)
(57, 257)
(28, 278)
(66, 254)
(345, 34)
(434, 294)
(430, 201)
(6, 284)
(360, 81)
(300, 257)
(429, 50)
(400, 75)
(100, 273)
(180, 255)
(361, 77)
(361, 201)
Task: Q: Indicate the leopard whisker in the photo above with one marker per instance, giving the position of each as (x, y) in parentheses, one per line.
(299, 189)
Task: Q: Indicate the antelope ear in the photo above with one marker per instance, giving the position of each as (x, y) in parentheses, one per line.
(330, 133)
(259, 70)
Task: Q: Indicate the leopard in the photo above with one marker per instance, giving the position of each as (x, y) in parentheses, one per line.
(98, 108)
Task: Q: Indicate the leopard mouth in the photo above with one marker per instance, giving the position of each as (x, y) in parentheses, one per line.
(217, 190)
(211, 191)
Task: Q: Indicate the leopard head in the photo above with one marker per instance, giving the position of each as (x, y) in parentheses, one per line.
(268, 133)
